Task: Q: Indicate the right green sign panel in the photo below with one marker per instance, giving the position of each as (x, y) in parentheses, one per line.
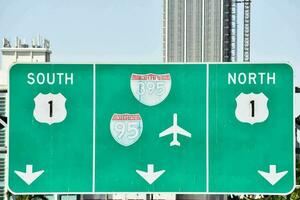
(251, 145)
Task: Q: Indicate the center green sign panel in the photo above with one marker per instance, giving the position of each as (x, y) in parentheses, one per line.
(183, 128)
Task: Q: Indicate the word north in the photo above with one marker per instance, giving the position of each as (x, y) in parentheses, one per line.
(251, 78)
(50, 78)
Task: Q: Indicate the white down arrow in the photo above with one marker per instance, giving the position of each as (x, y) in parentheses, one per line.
(272, 176)
(150, 176)
(29, 177)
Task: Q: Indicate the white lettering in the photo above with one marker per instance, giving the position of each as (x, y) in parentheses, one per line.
(231, 78)
(59, 77)
(251, 78)
(273, 78)
(30, 78)
(261, 74)
(40, 78)
(51, 82)
(50, 78)
(242, 78)
(70, 78)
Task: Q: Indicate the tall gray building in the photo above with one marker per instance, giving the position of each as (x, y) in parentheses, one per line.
(197, 30)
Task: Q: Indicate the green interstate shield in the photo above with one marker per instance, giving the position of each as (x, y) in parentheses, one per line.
(182, 128)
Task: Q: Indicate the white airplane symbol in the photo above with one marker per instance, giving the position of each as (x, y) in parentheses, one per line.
(175, 129)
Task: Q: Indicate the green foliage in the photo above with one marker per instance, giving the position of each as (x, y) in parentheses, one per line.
(295, 195)
(298, 173)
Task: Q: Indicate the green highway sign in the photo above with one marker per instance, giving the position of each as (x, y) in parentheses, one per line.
(183, 128)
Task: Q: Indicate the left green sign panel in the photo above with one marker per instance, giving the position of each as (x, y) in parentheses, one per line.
(51, 126)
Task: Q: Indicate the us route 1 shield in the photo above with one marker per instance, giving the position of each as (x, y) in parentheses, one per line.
(182, 128)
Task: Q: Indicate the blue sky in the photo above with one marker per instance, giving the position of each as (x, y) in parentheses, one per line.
(276, 32)
(131, 30)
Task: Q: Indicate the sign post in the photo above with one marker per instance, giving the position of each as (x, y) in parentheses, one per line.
(182, 128)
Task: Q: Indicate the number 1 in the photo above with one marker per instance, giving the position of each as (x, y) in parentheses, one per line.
(51, 107)
(252, 106)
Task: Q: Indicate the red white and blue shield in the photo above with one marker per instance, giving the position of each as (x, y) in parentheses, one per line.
(252, 108)
(126, 128)
(150, 89)
(50, 108)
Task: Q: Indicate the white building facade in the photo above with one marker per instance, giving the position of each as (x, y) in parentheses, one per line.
(39, 51)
